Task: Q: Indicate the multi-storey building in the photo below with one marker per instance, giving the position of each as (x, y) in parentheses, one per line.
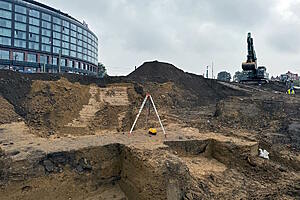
(37, 38)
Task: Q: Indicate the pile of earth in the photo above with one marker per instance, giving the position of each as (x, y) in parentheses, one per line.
(203, 91)
(47, 102)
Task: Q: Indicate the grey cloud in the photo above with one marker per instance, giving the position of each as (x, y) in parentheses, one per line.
(190, 33)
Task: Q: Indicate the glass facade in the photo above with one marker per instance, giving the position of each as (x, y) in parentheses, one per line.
(19, 56)
(4, 54)
(45, 33)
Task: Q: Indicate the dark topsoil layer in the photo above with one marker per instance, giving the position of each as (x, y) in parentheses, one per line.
(16, 86)
(208, 91)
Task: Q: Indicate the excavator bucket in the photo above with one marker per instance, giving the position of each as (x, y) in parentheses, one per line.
(249, 66)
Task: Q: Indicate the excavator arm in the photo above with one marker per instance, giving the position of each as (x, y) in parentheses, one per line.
(251, 63)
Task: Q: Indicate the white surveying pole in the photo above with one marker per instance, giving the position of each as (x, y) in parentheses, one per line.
(140, 111)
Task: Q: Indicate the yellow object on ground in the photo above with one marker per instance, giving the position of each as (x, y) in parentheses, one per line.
(152, 131)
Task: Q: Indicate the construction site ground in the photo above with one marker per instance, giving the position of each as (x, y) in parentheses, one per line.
(67, 137)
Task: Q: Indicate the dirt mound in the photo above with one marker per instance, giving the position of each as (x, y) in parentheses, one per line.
(7, 112)
(156, 72)
(207, 91)
(52, 104)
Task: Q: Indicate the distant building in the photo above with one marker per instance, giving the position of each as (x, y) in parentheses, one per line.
(289, 76)
(35, 37)
(293, 77)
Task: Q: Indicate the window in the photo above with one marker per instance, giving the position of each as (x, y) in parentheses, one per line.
(84, 45)
(46, 24)
(73, 53)
(34, 13)
(73, 33)
(54, 61)
(33, 37)
(79, 30)
(63, 62)
(46, 40)
(5, 5)
(73, 27)
(20, 18)
(18, 56)
(5, 14)
(70, 63)
(20, 34)
(56, 42)
(20, 9)
(66, 24)
(85, 51)
(4, 54)
(20, 43)
(79, 49)
(73, 40)
(84, 39)
(56, 49)
(46, 32)
(66, 31)
(34, 45)
(46, 48)
(73, 47)
(65, 45)
(34, 21)
(85, 32)
(5, 32)
(66, 38)
(57, 27)
(31, 57)
(34, 29)
(84, 57)
(66, 52)
(20, 26)
(89, 47)
(5, 41)
(56, 20)
(43, 59)
(79, 55)
(5, 23)
(80, 36)
(56, 35)
(46, 17)
(79, 43)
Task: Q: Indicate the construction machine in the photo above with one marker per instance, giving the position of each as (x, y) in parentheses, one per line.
(252, 73)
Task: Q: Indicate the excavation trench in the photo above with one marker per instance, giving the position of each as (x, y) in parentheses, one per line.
(117, 171)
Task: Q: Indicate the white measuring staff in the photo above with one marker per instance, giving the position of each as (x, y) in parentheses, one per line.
(140, 111)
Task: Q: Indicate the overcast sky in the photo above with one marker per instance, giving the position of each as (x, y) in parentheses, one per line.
(191, 34)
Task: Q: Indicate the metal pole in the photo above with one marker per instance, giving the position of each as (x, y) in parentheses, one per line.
(138, 115)
(59, 60)
(212, 70)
